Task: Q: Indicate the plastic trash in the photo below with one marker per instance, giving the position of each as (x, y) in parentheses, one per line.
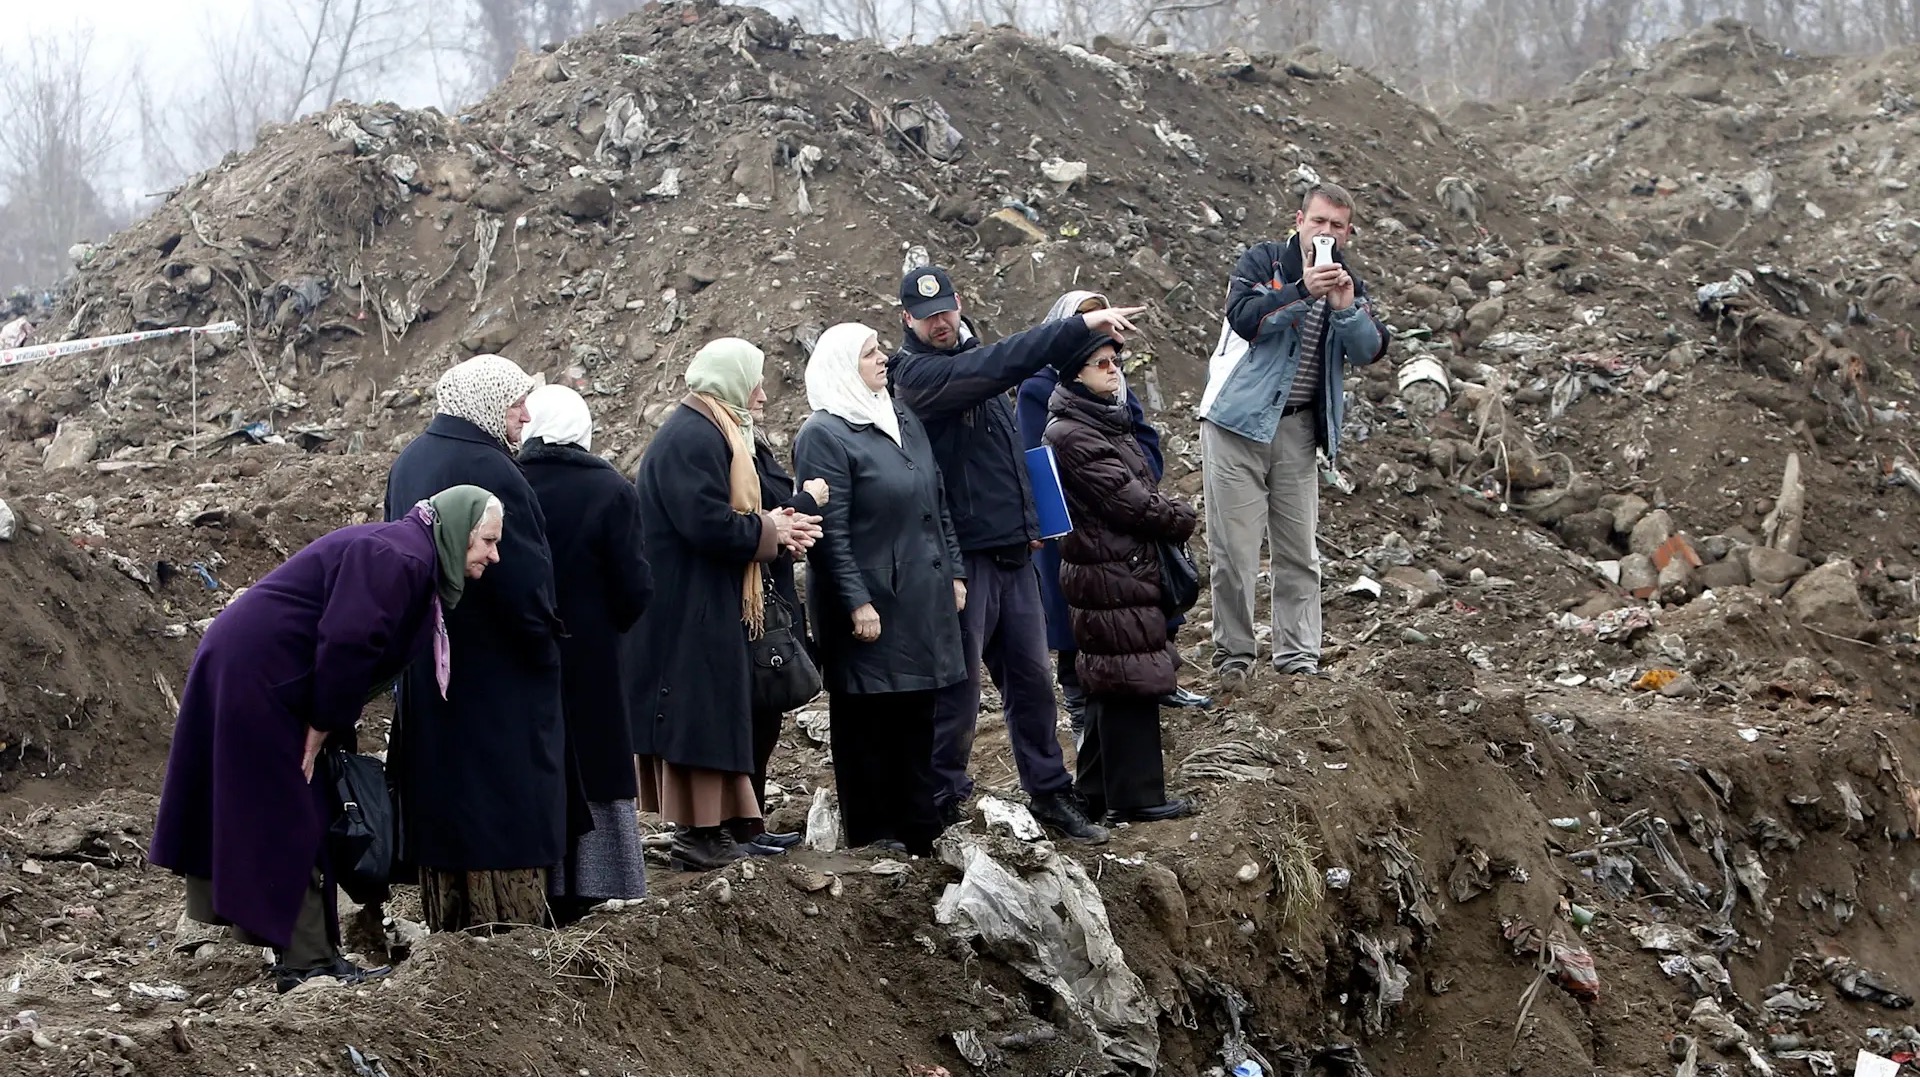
(1251, 1067)
(7, 521)
(1862, 985)
(1010, 818)
(823, 821)
(1872, 1064)
(1048, 921)
(1424, 386)
(1339, 877)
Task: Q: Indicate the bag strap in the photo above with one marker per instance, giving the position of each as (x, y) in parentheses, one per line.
(774, 601)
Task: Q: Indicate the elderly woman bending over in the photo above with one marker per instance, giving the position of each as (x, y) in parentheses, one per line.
(283, 670)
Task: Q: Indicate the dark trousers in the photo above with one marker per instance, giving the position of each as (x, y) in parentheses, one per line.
(1119, 763)
(316, 933)
(1004, 629)
(766, 736)
(883, 767)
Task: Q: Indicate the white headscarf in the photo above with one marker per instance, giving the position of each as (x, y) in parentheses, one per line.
(560, 416)
(834, 383)
(1069, 304)
(481, 390)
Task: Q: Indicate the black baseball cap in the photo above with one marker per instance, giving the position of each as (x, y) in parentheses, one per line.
(927, 290)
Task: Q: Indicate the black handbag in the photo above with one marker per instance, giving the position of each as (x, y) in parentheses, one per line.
(1179, 578)
(360, 839)
(784, 674)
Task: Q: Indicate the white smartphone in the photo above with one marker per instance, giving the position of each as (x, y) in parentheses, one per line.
(1322, 250)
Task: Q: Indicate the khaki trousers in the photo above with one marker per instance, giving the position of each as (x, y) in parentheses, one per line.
(1269, 492)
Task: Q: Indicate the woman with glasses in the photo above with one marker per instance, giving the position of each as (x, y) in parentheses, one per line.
(1034, 396)
(1111, 580)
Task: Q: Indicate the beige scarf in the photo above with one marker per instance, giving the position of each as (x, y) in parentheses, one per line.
(743, 491)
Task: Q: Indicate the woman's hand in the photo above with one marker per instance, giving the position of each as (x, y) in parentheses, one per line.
(866, 623)
(817, 488)
(803, 532)
(959, 595)
(315, 740)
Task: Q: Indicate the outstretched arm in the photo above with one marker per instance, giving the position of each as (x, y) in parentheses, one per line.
(938, 385)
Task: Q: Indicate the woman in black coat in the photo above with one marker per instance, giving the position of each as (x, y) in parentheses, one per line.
(777, 491)
(709, 541)
(480, 774)
(602, 582)
(1110, 577)
(887, 587)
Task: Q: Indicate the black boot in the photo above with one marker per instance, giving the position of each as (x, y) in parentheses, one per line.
(704, 849)
(1061, 812)
(1176, 807)
(339, 967)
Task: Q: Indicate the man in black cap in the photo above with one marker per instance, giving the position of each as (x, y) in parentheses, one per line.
(961, 390)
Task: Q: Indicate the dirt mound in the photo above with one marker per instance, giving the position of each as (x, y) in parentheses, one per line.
(1722, 146)
(698, 170)
(92, 661)
(1338, 908)
(1620, 580)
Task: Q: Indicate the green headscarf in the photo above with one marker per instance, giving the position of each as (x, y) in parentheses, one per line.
(457, 512)
(727, 369)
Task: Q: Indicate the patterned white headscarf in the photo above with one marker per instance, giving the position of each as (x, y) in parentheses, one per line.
(481, 390)
(835, 386)
(559, 416)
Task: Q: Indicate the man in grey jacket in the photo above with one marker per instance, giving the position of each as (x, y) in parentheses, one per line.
(1296, 318)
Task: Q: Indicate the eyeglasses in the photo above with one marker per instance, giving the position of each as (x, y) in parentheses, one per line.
(1115, 362)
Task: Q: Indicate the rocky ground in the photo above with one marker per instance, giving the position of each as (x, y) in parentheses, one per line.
(1621, 594)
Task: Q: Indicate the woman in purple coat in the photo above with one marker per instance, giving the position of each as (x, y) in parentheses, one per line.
(283, 671)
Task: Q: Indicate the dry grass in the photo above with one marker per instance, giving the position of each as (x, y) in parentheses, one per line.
(586, 951)
(1293, 854)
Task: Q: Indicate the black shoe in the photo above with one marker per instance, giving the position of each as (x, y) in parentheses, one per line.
(779, 839)
(1307, 669)
(1173, 808)
(1061, 812)
(1183, 698)
(892, 847)
(285, 979)
(951, 814)
(704, 849)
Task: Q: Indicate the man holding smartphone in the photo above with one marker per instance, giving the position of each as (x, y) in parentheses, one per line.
(1296, 318)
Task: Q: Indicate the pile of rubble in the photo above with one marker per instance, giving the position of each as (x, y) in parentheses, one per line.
(698, 170)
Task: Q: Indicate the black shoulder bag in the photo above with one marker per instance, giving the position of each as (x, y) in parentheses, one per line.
(1179, 578)
(360, 839)
(784, 674)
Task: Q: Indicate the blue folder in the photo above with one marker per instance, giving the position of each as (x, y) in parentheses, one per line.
(1049, 499)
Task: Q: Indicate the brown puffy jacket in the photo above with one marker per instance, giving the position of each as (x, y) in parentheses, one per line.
(1110, 562)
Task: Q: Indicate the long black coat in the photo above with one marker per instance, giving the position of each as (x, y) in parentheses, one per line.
(777, 490)
(690, 697)
(482, 777)
(1110, 562)
(888, 540)
(601, 577)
